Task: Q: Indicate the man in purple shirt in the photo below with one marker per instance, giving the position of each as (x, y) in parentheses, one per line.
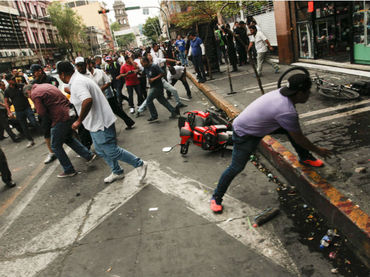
(273, 112)
(50, 101)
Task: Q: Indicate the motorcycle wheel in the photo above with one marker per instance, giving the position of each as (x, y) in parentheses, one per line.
(184, 148)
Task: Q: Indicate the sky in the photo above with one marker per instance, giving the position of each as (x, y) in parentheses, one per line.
(135, 17)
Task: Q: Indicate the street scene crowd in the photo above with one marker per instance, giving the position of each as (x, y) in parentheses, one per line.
(84, 112)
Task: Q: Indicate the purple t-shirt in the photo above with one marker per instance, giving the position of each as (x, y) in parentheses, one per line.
(267, 114)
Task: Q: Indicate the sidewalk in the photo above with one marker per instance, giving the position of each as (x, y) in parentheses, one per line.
(328, 197)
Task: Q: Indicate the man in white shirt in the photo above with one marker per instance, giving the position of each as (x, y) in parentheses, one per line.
(157, 53)
(97, 117)
(176, 73)
(259, 39)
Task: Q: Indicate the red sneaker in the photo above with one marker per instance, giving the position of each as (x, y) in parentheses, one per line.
(216, 208)
(313, 162)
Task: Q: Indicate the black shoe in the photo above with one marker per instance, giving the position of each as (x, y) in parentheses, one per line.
(189, 96)
(130, 127)
(16, 139)
(234, 70)
(137, 114)
(181, 105)
(1, 138)
(152, 119)
(11, 184)
(202, 81)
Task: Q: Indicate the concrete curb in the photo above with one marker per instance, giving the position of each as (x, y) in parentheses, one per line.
(340, 211)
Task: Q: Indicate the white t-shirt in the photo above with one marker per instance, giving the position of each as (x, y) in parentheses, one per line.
(100, 77)
(139, 65)
(121, 60)
(157, 55)
(101, 115)
(179, 71)
(259, 42)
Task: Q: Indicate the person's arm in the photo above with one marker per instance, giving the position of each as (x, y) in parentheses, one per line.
(7, 106)
(189, 54)
(172, 60)
(85, 109)
(107, 82)
(303, 141)
(40, 108)
(203, 49)
(160, 75)
(269, 45)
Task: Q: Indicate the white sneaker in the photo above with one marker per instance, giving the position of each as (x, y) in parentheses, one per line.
(50, 157)
(113, 177)
(141, 171)
(132, 110)
(30, 144)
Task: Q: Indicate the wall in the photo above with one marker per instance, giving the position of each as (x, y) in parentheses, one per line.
(284, 32)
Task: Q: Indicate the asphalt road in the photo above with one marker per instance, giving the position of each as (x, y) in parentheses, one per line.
(83, 227)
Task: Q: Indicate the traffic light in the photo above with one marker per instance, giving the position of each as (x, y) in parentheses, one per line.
(103, 11)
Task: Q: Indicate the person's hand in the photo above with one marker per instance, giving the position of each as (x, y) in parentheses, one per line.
(10, 115)
(323, 152)
(178, 62)
(271, 48)
(76, 124)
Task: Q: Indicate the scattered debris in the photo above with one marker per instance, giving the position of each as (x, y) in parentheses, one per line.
(360, 170)
(229, 219)
(265, 216)
(332, 255)
(334, 270)
(109, 269)
(153, 209)
(78, 194)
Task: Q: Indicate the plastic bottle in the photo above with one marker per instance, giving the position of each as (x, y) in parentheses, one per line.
(328, 238)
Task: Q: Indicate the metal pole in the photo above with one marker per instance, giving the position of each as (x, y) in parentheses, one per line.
(168, 29)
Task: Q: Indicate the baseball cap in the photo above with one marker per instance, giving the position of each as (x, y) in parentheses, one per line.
(296, 82)
(79, 60)
(108, 58)
(35, 67)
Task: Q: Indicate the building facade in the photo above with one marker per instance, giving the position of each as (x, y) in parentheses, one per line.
(337, 31)
(88, 10)
(40, 35)
(26, 35)
(120, 14)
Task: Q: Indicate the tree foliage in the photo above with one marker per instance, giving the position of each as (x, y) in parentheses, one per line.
(198, 12)
(125, 41)
(70, 27)
(115, 26)
(151, 29)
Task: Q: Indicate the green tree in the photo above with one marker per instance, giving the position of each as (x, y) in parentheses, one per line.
(70, 28)
(199, 12)
(125, 41)
(115, 26)
(151, 29)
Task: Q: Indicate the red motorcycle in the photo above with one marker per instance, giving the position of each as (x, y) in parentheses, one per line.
(209, 130)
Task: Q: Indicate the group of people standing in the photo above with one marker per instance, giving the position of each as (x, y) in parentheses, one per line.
(234, 45)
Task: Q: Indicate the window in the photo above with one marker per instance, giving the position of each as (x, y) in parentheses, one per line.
(43, 11)
(51, 38)
(36, 11)
(44, 36)
(35, 36)
(28, 8)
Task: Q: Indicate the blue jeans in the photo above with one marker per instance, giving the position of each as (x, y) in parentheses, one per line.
(182, 58)
(171, 89)
(105, 143)
(243, 148)
(62, 133)
(22, 119)
(157, 93)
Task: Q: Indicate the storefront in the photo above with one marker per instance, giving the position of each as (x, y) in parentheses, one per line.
(335, 30)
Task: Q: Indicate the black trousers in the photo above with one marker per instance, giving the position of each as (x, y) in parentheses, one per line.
(143, 87)
(4, 125)
(85, 137)
(119, 112)
(184, 82)
(6, 175)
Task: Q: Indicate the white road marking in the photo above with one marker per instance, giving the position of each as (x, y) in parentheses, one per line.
(26, 199)
(331, 117)
(89, 215)
(349, 105)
